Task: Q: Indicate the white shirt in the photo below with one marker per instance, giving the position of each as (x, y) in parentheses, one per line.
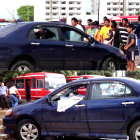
(74, 36)
(13, 90)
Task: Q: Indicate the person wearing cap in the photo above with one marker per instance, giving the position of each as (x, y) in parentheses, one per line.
(80, 23)
(92, 29)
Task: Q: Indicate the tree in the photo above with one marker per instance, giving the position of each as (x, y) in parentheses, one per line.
(26, 13)
(138, 13)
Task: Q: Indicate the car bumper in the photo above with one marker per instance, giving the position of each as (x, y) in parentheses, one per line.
(9, 125)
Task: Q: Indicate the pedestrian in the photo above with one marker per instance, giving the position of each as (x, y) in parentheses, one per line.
(74, 23)
(111, 34)
(105, 30)
(123, 33)
(75, 36)
(13, 95)
(88, 23)
(137, 32)
(92, 29)
(97, 32)
(80, 23)
(3, 95)
(130, 48)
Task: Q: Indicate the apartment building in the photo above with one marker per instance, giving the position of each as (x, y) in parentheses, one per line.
(53, 10)
(115, 7)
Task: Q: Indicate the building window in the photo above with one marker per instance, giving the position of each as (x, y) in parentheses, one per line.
(70, 8)
(47, 14)
(78, 3)
(63, 14)
(54, 14)
(47, 8)
(63, 8)
(108, 3)
(54, 2)
(130, 3)
(47, 2)
(108, 9)
(115, 3)
(71, 2)
(78, 8)
(114, 14)
(63, 2)
(114, 9)
(137, 3)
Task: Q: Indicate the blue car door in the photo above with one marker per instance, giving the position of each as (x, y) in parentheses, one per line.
(73, 119)
(46, 47)
(106, 107)
(77, 49)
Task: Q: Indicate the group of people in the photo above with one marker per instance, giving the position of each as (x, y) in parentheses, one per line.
(121, 35)
(13, 92)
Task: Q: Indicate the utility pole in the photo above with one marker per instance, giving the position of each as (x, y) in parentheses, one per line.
(51, 10)
(124, 7)
(119, 7)
(98, 10)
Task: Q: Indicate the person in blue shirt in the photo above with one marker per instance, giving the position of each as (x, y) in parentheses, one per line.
(3, 95)
(137, 32)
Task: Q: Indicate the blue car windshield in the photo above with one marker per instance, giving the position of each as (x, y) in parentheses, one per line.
(4, 31)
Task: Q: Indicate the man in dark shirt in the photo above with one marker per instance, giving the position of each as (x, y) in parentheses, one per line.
(130, 48)
(137, 32)
(80, 23)
(123, 33)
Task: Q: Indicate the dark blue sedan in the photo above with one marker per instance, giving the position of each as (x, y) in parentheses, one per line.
(53, 45)
(110, 108)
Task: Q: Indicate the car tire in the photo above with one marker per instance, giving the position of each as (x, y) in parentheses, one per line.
(108, 64)
(27, 129)
(22, 66)
(133, 131)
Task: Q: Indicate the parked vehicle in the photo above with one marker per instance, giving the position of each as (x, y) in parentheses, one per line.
(110, 109)
(131, 19)
(48, 45)
(39, 84)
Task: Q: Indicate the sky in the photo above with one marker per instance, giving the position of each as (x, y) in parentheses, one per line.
(8, 8)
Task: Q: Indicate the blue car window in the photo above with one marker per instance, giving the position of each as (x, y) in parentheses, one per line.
(108, 90)
(44, 33)
(72, 35)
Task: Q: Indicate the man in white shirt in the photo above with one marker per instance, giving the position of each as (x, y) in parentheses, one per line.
(75, 36)
(13, 95)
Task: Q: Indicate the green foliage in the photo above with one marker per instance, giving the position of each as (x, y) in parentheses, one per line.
(87, 72)
(26, 13)
(138, 13)
(133, 74)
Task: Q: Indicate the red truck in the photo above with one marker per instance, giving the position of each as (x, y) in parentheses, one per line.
(38, 84)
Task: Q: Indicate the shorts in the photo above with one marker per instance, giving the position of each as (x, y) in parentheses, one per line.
(130, 55)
